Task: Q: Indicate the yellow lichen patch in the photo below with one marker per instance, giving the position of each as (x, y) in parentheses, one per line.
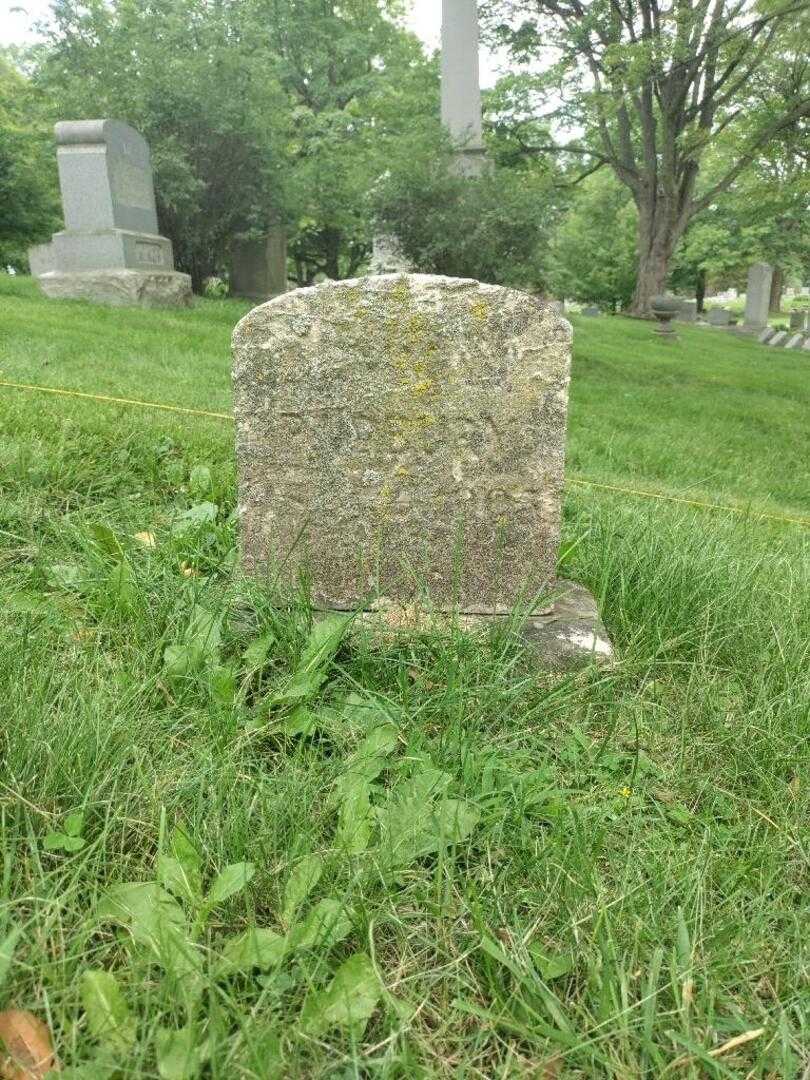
(423, 387)
(479, 310)
(401, 290)
(410, 367)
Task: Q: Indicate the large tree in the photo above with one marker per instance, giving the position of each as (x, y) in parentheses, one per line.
(356, 81)
(28, 199)
(652, 85)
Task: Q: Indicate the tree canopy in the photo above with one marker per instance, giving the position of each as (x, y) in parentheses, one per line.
(634, 142)
(651, 86)
(29, 209)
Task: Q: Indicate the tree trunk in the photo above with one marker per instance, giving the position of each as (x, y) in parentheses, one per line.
(777, 285)
(331, 250)
(700, 291)
(198, 276)
(658, 232)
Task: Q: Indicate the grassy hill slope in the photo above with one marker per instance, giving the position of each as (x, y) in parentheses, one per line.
(626, 892)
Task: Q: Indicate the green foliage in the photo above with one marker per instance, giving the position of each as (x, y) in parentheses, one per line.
(357, 84)
(592, 257)
(493, 228)
(348, 1001)
(255, 112)
(70, 838)
(108, 1015)
(763, 216)
(28, 197)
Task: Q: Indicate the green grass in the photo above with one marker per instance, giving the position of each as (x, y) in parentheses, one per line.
(627, 889)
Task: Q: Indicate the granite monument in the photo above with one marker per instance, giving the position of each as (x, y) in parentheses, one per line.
(110, 250)
(461, 83)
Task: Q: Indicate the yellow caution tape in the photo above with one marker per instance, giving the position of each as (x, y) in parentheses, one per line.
(636, 492)
(117, 400)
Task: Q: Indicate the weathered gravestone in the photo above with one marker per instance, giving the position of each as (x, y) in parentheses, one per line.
(778, 339)
(765, 335)
(758, 297)
(592, 311)
(795, 341)
(687, 311)
(259, 266)
(798, 320)
(110, 250)
(40, 259)
(718, 317)
(401, 441)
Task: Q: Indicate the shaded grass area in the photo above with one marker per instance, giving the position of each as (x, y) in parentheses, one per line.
(600, 876)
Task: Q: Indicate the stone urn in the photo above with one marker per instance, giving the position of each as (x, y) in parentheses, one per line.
(665, 308)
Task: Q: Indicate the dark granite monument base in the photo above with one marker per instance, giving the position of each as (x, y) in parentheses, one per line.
(119, 288)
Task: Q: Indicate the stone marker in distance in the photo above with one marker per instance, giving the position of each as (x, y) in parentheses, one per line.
(687, 311)
(259, 266)
(757, 297)
(400, 444)
(110, 250)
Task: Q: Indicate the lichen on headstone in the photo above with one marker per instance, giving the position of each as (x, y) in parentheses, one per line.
(402, 437)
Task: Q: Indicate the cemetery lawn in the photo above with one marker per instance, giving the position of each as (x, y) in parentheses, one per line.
(599, 876)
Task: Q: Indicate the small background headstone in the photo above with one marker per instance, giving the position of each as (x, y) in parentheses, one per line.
(41, 259)
(687, 311)
(758, 296)
(592, 311)
(718, 317)
(259, 266)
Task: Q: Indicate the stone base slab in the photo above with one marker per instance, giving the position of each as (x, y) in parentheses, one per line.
(571, 635)
(120, 288)
(566, 636)
(111, 249)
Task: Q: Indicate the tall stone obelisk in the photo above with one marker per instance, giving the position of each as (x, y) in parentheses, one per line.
(461, 83)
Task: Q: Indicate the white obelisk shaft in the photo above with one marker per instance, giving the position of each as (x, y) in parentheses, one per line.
(461, 85)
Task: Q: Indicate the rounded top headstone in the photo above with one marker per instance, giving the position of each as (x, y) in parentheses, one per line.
(403, 435)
